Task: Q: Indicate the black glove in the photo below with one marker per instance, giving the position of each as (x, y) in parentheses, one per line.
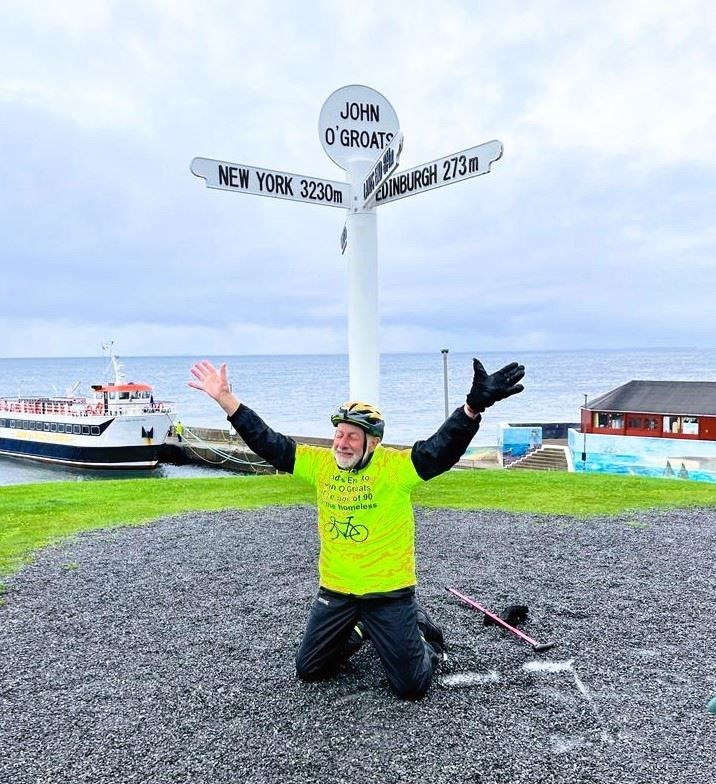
(487, 390)
(515, 614)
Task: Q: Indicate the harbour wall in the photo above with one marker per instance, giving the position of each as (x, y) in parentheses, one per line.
(227, 451)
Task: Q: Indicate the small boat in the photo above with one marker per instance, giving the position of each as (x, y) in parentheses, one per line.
(120, 426)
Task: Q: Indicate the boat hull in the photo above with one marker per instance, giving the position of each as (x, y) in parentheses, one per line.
(120, 457)
(121, 442)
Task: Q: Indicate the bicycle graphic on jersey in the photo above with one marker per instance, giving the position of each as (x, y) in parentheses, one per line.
(346, 529)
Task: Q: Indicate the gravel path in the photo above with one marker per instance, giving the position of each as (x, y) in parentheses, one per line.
(164, 653)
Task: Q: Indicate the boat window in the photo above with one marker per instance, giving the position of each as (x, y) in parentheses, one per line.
(46, 426)
(60, 427)
(53, 427)
(85, 430)
(124, 395)
(95, 430)
(12, 423)
(635, 422)
(2, 423)
(76, 429)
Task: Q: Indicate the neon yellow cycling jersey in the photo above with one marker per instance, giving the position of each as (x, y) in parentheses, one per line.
(365, 519)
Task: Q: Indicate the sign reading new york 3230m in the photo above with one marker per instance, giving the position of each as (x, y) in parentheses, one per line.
(355, 124)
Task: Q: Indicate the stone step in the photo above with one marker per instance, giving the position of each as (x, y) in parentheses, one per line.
(545, 459)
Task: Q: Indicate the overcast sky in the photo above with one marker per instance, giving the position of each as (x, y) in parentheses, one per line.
(595, 229)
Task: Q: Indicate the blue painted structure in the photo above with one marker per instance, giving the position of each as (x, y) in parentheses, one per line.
(515, 441)
(643, 456)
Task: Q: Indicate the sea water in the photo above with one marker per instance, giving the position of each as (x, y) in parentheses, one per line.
(296, 394)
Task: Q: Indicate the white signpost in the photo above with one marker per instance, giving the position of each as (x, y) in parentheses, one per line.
(443, 171)
(385, 165)
(265, 182)
(360, 132)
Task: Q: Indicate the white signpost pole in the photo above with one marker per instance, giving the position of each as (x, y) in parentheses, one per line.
(363, 316)
(356, 123)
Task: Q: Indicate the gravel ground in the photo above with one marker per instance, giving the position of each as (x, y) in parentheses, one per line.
(164, 653)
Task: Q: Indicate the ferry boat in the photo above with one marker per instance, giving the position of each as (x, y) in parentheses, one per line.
(120, 426)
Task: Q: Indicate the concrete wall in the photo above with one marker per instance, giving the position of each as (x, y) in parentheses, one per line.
(642, 456)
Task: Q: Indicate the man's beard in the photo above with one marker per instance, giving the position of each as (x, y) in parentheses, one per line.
(346, 461)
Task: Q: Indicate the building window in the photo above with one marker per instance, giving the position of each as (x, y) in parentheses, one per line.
(690, 426)
(609, 421)
(672, 424)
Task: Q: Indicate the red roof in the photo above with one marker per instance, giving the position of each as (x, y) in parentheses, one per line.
(123, 388)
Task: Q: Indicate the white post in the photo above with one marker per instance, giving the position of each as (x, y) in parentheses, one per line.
(444, 352)
(362, 253)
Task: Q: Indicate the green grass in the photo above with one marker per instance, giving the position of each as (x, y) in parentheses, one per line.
(561, 493)
(34, 516)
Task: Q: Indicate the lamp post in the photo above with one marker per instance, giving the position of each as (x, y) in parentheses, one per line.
(444, 352)
(584, 434)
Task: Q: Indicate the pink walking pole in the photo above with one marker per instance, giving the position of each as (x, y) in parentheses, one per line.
(536, 646)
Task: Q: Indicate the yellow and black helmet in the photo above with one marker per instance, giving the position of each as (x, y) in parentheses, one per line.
(361, 414)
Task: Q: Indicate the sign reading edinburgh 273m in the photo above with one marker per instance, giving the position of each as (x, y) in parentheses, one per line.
(355, 124)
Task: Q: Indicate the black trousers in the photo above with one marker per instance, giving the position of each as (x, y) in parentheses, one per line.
(391, 623)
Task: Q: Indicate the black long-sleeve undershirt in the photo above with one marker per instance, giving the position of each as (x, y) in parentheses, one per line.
(431, 457)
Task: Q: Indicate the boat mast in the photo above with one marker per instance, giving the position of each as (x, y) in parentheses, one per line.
(116, 366)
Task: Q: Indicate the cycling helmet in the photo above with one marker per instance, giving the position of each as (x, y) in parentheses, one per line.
(363, 415)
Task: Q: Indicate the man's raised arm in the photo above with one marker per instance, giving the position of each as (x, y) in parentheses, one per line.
(274, 447)
(444, 448)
